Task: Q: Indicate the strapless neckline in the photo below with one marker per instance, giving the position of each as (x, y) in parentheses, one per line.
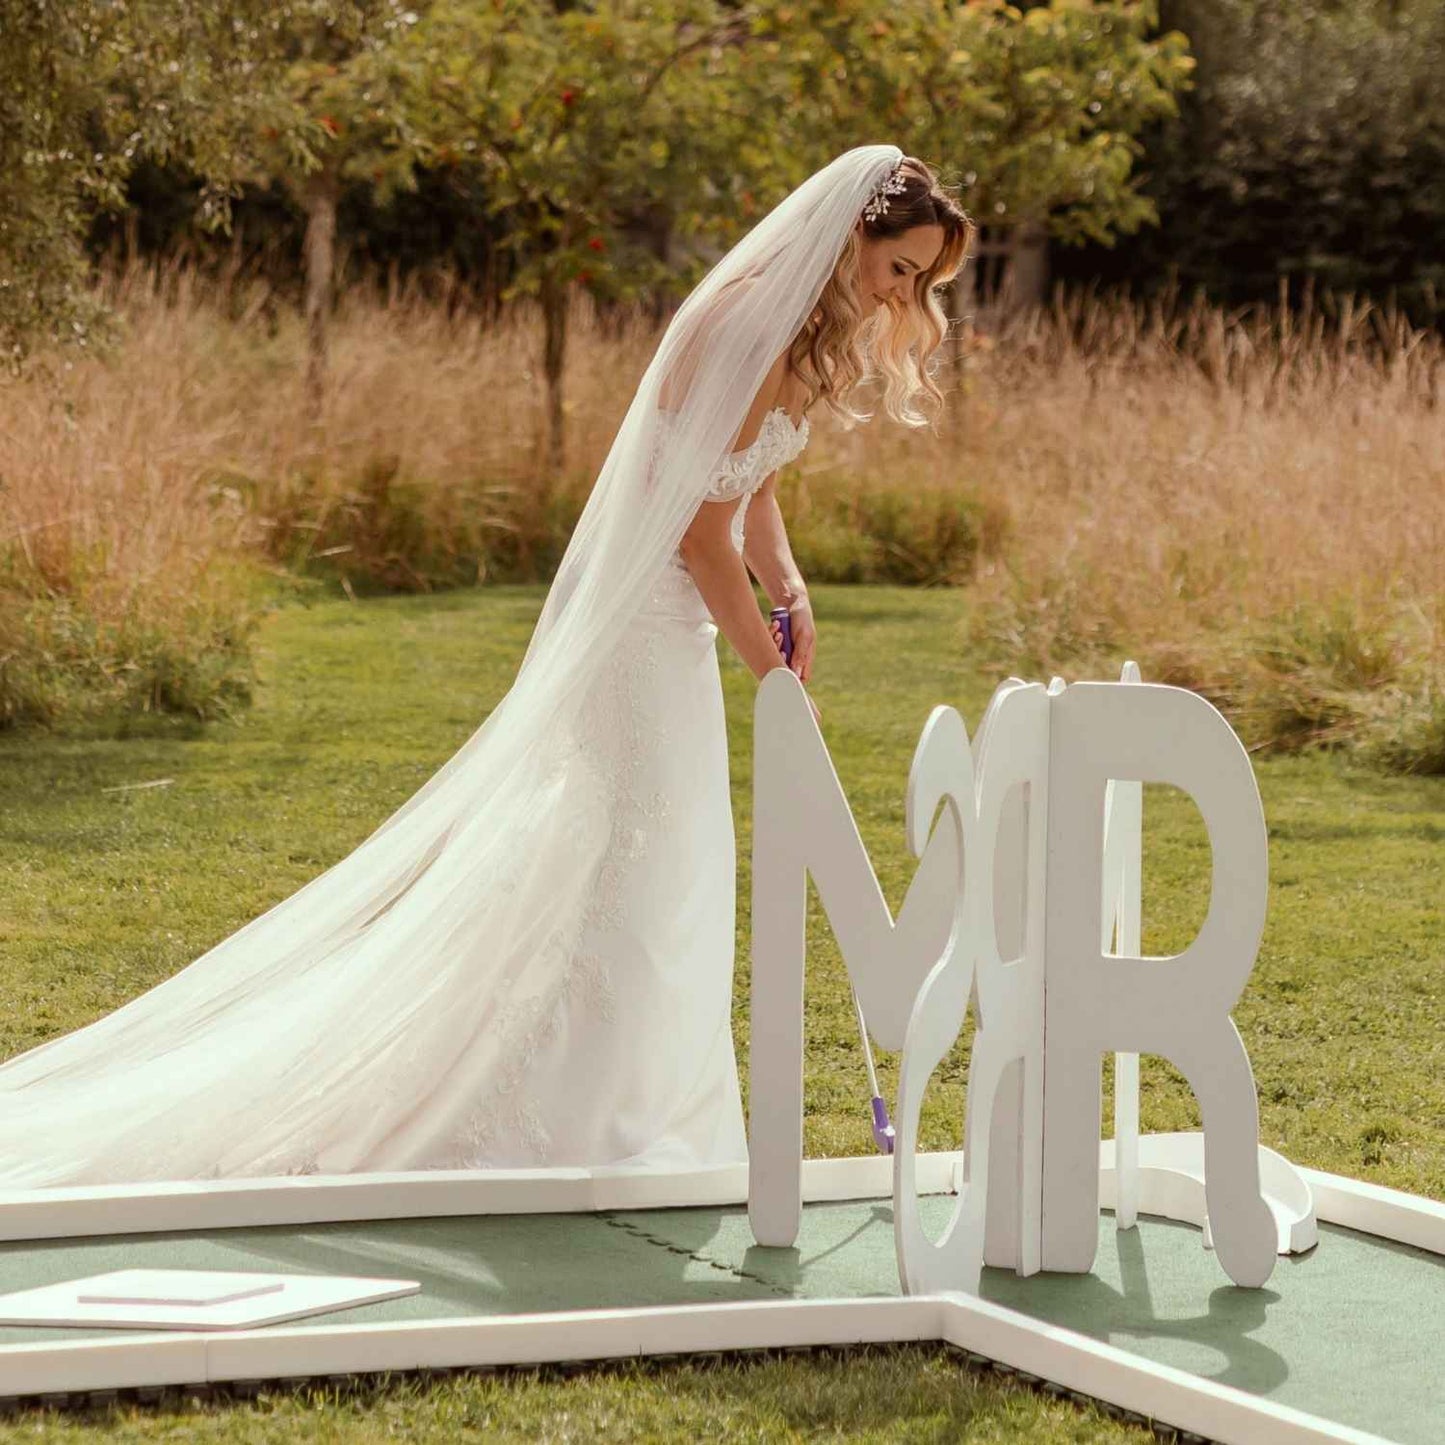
(798, 428)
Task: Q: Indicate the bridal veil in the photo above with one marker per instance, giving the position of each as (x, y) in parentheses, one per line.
(331, 1025)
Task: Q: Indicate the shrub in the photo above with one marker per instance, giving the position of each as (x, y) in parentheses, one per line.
(178, 651)
(887, 531)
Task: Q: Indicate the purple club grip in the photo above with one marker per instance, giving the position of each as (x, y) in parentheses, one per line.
(781, 617)
(883, 1135)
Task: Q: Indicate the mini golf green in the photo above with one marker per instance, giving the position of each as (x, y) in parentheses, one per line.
(1353, 1331)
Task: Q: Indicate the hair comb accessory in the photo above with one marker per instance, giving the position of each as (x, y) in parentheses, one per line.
(893, 185)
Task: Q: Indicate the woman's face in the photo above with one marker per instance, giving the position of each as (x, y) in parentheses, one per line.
(889, 264)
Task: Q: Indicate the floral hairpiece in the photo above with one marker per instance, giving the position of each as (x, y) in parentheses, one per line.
(892, 185)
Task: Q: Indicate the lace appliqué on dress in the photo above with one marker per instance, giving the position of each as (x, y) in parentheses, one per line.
(616, 731)
(777, 441)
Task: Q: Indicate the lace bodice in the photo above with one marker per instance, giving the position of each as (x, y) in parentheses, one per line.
(741, 474)
(777, 441)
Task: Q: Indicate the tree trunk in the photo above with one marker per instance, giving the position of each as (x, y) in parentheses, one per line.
(554, 317)
(962, 299)
(320, 247)
(1028, 265)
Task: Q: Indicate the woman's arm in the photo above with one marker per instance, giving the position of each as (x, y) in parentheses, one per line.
(723, 581)
(719, 573)
(766, 551)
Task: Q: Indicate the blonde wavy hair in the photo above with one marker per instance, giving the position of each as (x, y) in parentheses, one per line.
(839, 347)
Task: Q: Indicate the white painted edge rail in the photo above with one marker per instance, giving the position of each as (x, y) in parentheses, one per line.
(1075, 1362)
(78, 1211)
(220, 1204)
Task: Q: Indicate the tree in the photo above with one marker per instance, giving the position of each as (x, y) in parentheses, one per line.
(1316, 147)
(1037, 109)
(326, 109)
(87, 88)
(239, 91)
(1032, 114)
(583, 121)
(592, 129)
(1311, 148)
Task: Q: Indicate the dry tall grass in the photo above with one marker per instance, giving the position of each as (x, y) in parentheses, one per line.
(1251, 504)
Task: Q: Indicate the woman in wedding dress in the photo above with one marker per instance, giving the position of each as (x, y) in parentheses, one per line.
(530, 962)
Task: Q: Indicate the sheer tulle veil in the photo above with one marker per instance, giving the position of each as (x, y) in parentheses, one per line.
(342, 1018)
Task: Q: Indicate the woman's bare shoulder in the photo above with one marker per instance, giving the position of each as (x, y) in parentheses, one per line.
(780, 387)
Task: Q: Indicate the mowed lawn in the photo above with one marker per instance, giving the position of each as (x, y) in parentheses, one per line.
(107, 887)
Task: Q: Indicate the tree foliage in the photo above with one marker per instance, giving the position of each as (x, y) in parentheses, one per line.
(1034, 112)
(1312, 146)
(586, 118)
(87, 87)
(592, 131)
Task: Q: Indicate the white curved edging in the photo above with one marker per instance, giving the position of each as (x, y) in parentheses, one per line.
(1169, 1181)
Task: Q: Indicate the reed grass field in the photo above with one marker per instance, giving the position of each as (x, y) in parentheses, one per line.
(1249, 503)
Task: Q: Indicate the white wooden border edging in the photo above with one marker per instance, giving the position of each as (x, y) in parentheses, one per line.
(1071, 1360)
(1076, 1362)
(76, 1212)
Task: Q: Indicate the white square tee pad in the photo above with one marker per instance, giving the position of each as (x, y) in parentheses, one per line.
(193, 1299)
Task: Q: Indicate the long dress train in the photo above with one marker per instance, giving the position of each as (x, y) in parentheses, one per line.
(616, 1050)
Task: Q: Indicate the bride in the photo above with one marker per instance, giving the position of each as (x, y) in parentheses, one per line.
(530, 962)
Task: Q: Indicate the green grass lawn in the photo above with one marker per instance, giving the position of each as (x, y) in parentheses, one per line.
(106, 888)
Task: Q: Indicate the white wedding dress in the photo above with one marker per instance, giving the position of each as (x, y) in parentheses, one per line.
(632, 1062)
(529, 963)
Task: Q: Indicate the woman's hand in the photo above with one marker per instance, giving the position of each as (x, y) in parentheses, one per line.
(804, 641)
(805, 637)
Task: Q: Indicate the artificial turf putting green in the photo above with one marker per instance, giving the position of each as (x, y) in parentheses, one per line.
(1346, 1331)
